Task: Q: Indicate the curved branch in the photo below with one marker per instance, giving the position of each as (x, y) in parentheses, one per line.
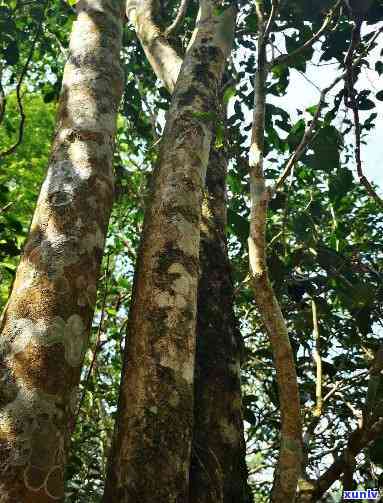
(351, 101)
(176, 24)
(289, 465)
(285, 58)
(359, 439)
(164, 60)
(97, 346)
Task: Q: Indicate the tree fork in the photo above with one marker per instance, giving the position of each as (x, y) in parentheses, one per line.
(152, 442)
(218, 343)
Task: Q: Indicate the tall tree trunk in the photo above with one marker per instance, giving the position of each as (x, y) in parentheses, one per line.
(218, 470)
(45, 326)
(151, 449)
(218, 344)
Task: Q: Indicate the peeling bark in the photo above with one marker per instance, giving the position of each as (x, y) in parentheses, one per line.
(218, 471)
(45, 326)
(152, 443)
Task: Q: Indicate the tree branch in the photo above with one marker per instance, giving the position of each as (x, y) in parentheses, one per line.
(308, 135)
(351, 94)
(12, 149)
(3, 101)
(290, 454)
(164, 60)
(285, 58)
(176, 24)
(97, 345)
(359, 439)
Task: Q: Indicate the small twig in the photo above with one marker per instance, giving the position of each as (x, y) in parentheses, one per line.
(3, 101)
(97, 345)
(352, 103)
(173, 28)
(4, 208)
(270, 21)
(308, 135)
(19, 84)
(285, 58)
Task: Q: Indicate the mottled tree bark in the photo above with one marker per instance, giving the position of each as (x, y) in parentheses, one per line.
(45, 326)
(218, 470)
(151, 450)
(218, 430)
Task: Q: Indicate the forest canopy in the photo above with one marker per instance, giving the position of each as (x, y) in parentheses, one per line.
(190, 250)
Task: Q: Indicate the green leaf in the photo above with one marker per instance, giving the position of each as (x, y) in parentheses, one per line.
(379, 96)
(340, 184)
(228, 94)
(379, 67)
(238, 225)
(376, 452)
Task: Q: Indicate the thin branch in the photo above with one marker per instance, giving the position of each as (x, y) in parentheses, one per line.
(164, 60)
(285, 58)
(97, 345)
(5, 208)
(359, 439)
(3, 101)
(19, 84)
(176, 24)
(308, 135)
(317, 360)
(288, 468)
(270, 21)
(352, 103)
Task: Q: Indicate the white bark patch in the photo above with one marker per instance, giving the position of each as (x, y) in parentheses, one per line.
(33, 414)
(71, 334)
(181, 286)
(62, 182)
(171, 359)
(84, 34)
(163, 298)
(188, 236)
(75, 340)
(87, 293)
(255, 155)
(28, 276)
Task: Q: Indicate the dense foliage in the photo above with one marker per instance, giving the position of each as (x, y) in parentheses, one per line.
(325, 240)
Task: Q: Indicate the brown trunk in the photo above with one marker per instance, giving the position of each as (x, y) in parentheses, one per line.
(45, 326)
(218, 471)
(151, 451)
(289, 467)
(221, 343)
